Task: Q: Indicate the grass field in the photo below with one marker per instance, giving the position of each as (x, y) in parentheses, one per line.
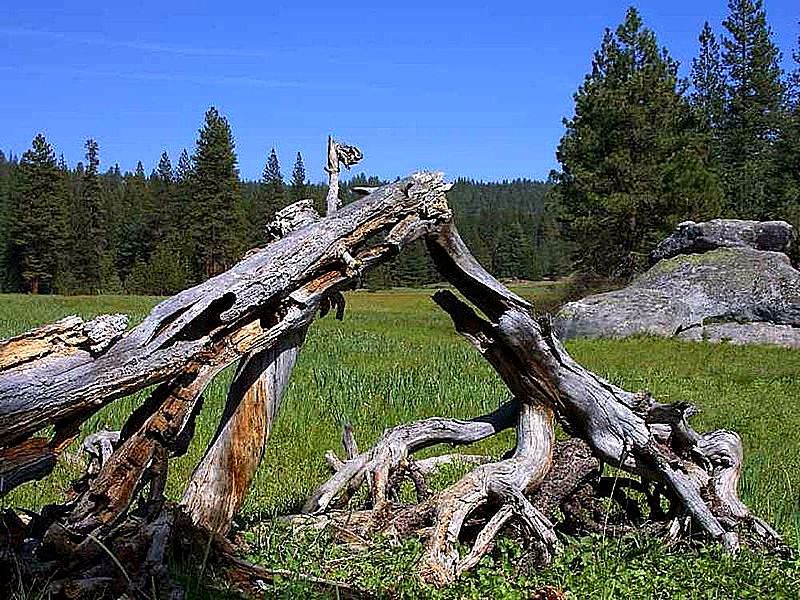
(394, 359)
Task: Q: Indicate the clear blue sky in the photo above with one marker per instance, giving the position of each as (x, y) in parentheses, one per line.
(476, 89)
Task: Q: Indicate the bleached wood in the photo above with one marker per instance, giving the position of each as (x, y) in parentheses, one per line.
(253, 295)
(219, 485)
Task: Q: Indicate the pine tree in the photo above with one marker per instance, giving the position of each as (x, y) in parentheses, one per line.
(273, 180)
(183, 171)
(512, 251)
(632, 162)
(164, 219)
(218, 223)
(298, 179)
(5, 219)
(708, 81)
(754, 111)
(183, 193)
(270, 196)
(788, 151)
(38, 217)
(89, 223)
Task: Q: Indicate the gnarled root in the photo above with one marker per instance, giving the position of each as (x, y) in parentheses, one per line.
(526, 489)
(386, 464)
(502, 485)
(627, 430)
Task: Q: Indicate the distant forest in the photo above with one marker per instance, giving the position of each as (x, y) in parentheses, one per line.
(84, 230)
(644, 149)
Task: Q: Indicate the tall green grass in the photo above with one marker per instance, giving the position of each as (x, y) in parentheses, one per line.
(395, 358)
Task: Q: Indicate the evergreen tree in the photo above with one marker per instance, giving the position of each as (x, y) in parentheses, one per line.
(298, 179)
(136, 235)
(708, 93)
(708, 81)
(164, 169)
(183, 171)
(183, 192)
(5, 220)
(89, 224)
(754, 110)
(789, 152)
(632, 162)
(218, 223)
(271, 194)
(165, 219)
(38, 218)
(273, 180)
(511, 252)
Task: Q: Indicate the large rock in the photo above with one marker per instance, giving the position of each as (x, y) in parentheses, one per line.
(726, 285)
(745, 333)
(691, 237)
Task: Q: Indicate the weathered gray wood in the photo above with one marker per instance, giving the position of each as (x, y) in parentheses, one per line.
(67, 337)
(220, 482)
(99, 446)
(291, 218)
(628, 430)
(506, 482)
(622, 428)
(338, 153)
(398, 443)
(255, 295)
(219, 485)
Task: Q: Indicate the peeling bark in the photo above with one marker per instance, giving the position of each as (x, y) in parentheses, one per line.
(259, 311)
(219, 485)
(258, 293)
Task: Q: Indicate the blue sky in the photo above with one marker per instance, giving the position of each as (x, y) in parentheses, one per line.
(476, 89)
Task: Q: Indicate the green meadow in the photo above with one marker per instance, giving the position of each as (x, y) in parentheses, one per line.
(395, 358)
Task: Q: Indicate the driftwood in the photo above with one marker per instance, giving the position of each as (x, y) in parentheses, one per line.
(117, 531)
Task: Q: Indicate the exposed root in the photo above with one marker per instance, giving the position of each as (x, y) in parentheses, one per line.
(387, 463)
(500, 484)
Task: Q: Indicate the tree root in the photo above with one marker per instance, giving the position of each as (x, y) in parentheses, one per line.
(503, 485)
(388, 462)
(695, 474)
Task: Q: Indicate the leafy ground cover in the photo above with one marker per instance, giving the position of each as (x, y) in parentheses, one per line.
(395, 359)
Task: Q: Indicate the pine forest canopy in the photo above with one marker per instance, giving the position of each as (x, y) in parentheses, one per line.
(644, 149)
(81, 231)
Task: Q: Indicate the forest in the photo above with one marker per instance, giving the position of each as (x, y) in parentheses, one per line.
(82, 231)
(648, 145)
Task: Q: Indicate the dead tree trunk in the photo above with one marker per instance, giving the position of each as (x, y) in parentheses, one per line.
(59, 375)
(261, 308)
(219, 484)
(696, 473)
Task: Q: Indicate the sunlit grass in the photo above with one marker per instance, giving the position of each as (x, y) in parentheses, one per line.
(395, 358)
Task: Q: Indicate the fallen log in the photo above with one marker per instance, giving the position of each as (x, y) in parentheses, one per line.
(103, 541)
(241, 307)
(273, 292)
(697, 473)
(61, 375)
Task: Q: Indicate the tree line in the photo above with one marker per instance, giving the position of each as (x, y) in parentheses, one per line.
(82, 230)
(646, 148)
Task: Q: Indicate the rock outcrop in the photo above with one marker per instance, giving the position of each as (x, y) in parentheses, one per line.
(745, 333)
(691, 237)
(731, 292)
